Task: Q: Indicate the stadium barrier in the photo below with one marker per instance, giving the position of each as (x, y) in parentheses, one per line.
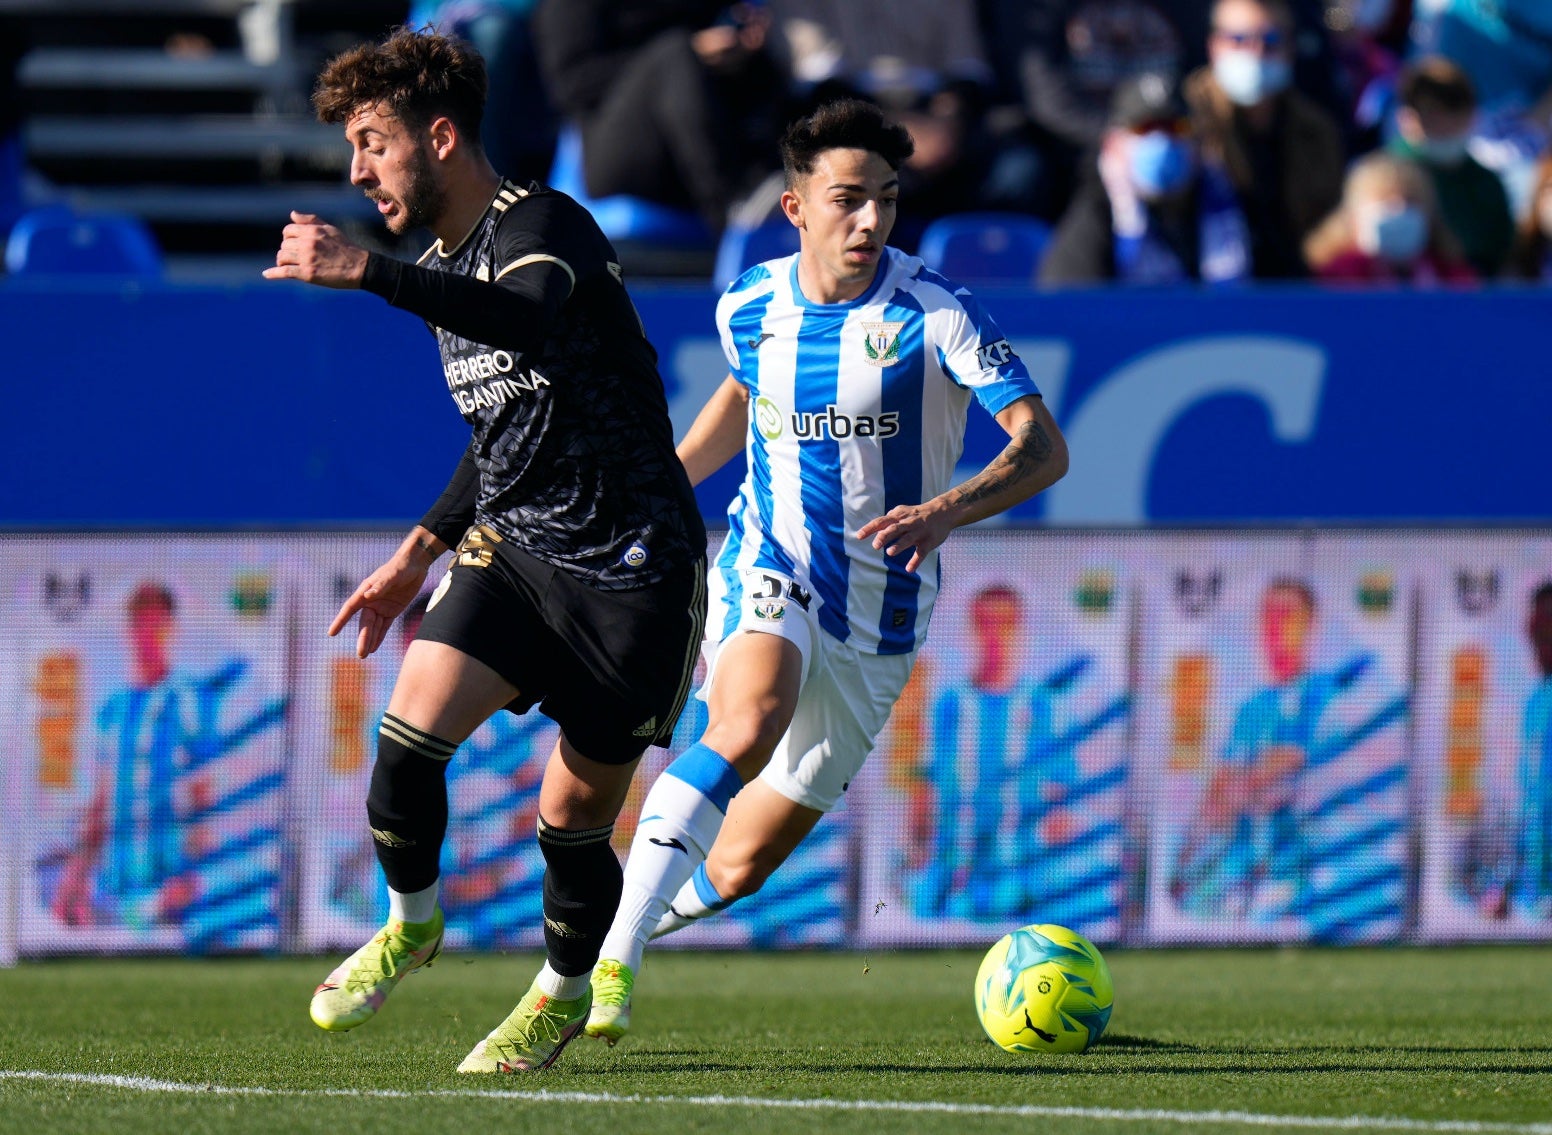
(278, 404)
(1155, 737)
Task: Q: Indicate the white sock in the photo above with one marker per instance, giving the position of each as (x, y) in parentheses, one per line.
(560, 987)
(695, 900)
(681, 816)
(416, 906)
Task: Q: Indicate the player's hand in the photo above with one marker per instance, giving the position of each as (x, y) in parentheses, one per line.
(316, 253)
(915, 526)
(381, 598)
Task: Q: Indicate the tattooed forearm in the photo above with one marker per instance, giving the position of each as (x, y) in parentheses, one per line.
(1023, 458)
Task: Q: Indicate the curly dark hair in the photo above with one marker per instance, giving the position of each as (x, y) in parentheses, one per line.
(418, 75)
(846, 124)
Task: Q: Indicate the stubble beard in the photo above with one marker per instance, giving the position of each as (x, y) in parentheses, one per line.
(423, 199)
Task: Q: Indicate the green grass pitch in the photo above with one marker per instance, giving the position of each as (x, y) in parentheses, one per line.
(1449, 1040)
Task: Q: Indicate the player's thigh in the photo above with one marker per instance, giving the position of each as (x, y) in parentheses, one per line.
(842, 710)
(446, 692)
(763, 630)
(579, 792)
(762, 829)
(753, 690)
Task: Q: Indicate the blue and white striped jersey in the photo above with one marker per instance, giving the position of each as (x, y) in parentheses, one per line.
(855, 408)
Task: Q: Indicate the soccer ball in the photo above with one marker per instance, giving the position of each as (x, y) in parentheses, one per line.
(1043, 989)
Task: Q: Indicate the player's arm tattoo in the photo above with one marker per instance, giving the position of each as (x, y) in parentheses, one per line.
(1024, 458)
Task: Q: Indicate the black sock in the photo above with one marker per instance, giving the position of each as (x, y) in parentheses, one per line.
(407, 803)
(582, 881)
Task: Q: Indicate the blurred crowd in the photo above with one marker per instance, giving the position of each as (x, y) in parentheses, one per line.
(1351, 141)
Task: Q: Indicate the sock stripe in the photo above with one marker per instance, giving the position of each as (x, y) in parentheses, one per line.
(580, 837)
(709, 773)
(706, 891)
(416, 740)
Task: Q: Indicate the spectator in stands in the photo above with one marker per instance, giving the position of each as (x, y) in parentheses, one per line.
(922, 61)
(1433, 128)
(1062, 62)
(1387, 230)
(1532, 256)
(1282, 153)
(518, 130)
(1506, 48)
(676, 99)
(1154, 212)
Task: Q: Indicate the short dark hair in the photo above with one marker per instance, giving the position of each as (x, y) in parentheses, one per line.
(419, 75)
(845, 124)
(1434, 81)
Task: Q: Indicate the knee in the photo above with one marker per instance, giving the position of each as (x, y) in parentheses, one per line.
(751, 732)
(738, 879)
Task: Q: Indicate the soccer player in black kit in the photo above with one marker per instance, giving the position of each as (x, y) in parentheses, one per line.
(578, 583)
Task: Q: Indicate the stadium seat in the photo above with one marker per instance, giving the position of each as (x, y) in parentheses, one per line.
(55, 240)
(622, 217)
(997, 247)
(742, 248)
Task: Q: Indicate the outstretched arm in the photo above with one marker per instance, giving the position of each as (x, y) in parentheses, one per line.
(718, 431)
(514, 311)
(1035, 459)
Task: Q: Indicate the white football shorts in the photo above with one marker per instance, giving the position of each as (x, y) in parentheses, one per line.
(844, 702)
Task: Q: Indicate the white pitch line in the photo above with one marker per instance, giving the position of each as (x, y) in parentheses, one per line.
(935, 1107)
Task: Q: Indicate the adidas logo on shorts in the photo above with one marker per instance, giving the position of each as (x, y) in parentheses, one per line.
(647, 728)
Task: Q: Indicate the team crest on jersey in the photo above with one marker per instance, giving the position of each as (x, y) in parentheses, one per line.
(767, 418)
(771, 610)
(883, 343)
(636, 555)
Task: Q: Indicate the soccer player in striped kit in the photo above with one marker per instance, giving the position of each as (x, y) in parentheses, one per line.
(852, 370)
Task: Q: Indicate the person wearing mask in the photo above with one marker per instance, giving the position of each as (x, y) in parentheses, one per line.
(1154, 212)
(1433, 128)
(1387, 230)
(1282, 153)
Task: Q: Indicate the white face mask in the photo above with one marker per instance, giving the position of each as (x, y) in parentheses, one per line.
(1398, 235)
(1248, 78)
(1447, 152)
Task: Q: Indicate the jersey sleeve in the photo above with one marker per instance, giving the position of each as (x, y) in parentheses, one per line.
(975, 354)
(540, 231)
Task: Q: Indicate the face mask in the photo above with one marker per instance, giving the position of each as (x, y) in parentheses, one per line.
(1160, 164)
(1248, 78)
(1448, 152)
(1398, 236)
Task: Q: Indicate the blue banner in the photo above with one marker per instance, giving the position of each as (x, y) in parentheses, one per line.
(282, 404)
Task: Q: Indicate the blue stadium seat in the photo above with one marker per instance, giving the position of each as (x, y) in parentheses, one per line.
(1004, 248)
(56, 240)
(622, 217)
(743, 248)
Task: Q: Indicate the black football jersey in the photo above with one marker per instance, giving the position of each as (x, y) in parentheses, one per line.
(572, 437)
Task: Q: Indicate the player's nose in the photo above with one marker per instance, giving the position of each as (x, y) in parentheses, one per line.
(360, 172)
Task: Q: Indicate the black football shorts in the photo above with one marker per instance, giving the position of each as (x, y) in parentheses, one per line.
(611, 668)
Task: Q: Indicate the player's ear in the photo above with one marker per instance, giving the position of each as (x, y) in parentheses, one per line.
(792, 206)
(444, 136)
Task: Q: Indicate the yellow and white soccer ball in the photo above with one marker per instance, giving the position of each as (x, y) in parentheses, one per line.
(1044, 989)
